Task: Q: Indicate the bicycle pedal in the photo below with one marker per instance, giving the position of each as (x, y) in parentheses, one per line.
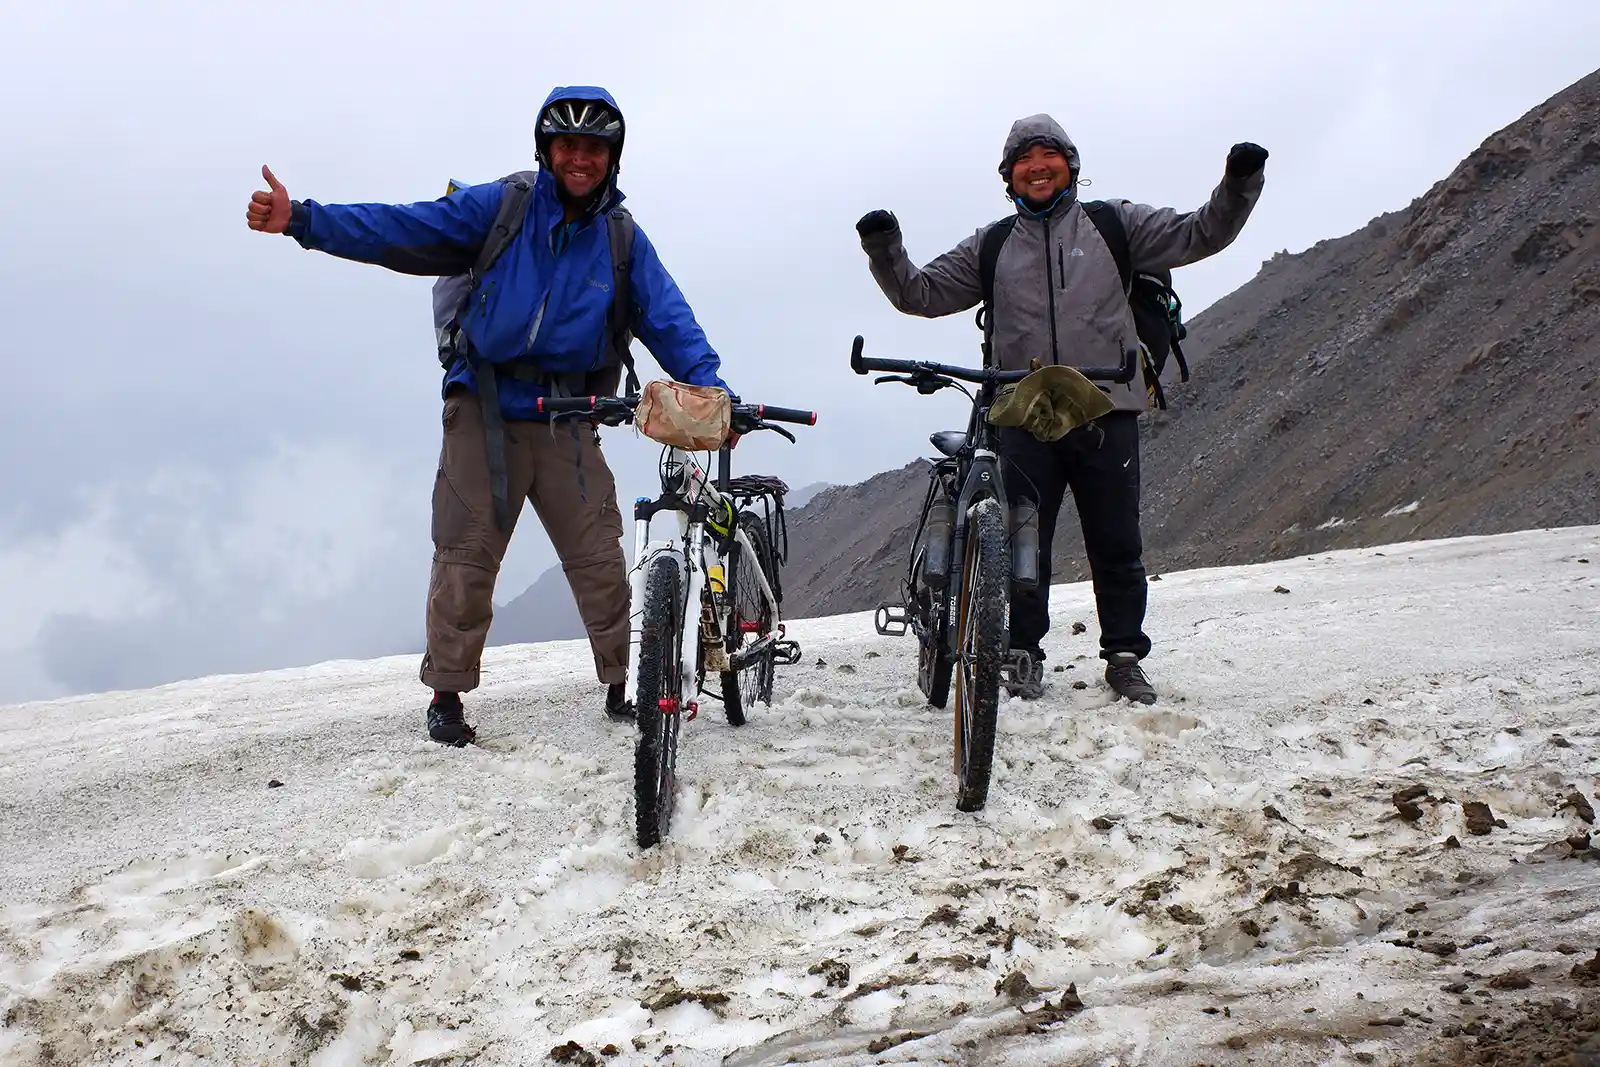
(786, 652)
(892, 620)
(1022, 675)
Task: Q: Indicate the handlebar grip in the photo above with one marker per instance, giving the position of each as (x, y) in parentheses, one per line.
(900, 366)
(556, 405)
(855, 355)
(772, 414)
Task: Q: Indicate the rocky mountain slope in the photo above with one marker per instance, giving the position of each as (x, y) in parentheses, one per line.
(1434, 374)
(1431, 375)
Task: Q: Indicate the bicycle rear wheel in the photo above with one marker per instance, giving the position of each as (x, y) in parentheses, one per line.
(752, 621)
(655, 757)
(980, 649)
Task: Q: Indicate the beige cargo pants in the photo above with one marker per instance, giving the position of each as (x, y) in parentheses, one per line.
(560, 469)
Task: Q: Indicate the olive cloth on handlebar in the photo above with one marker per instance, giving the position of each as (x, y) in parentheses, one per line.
(692, 417)
(1049, 403)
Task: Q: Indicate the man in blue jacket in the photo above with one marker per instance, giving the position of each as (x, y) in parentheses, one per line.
(536, 323)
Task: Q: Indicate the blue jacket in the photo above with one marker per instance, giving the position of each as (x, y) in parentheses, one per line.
(547, 296)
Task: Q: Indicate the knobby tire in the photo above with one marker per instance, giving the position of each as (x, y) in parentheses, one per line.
(657, 710)
(981, 645)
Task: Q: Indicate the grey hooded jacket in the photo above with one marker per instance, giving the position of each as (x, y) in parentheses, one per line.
(1057, 266)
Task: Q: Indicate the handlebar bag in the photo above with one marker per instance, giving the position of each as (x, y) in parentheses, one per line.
(691, 417)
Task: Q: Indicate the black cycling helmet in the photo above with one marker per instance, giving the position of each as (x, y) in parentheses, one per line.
(591, 117)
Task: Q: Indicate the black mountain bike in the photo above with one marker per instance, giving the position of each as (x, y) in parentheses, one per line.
(972, 546)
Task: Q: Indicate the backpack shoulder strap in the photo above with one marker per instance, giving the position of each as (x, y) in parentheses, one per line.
(988, 258)
(989, 254)
(507, 220)
(1115, 235)
(619, 228)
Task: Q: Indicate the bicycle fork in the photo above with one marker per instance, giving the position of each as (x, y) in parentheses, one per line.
(644, 550)
(641, 556)
(688, 645)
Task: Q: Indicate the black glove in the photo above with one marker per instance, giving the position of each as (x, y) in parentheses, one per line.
(1245, 159)
(877, 222)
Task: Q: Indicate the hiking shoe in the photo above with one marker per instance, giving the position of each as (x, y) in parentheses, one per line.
(1022, 673)
(447, 724)
(618, 706)
(1124, 675)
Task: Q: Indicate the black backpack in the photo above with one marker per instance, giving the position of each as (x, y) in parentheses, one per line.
(1157, 311)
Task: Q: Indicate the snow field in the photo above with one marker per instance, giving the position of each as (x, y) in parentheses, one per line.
(1220, 876)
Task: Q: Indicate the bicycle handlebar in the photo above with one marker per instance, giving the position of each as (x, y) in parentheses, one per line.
(862, 365)
(747, 414)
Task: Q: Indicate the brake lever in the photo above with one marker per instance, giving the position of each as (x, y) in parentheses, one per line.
(777, 429)
(892, 378)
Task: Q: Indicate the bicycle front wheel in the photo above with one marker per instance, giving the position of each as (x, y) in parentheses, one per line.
(980, 649)
(655, 757)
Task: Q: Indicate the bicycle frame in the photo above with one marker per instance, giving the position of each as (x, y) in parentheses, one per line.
(980, 478)
(974, 472)
(693, 501)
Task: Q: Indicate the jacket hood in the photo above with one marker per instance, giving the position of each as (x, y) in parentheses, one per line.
(610, 195)
(1040, 129)
(1037, 129)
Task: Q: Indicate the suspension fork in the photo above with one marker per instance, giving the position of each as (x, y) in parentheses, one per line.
(641, 542)
(694, 564)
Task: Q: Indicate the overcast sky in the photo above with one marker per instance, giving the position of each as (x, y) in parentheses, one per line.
(221, 452)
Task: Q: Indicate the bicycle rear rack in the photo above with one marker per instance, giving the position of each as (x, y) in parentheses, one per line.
(892, 620)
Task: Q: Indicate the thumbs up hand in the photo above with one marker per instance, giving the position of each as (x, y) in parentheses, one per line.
(269, 209)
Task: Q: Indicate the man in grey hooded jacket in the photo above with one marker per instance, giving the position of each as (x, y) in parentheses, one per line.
(1058, 299)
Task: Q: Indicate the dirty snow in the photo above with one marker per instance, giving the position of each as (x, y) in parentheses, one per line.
(1221, 877)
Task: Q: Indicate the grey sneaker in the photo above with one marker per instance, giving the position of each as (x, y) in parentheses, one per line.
(1124, 675)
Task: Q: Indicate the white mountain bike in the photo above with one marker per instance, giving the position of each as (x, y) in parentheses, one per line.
(725, 559)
